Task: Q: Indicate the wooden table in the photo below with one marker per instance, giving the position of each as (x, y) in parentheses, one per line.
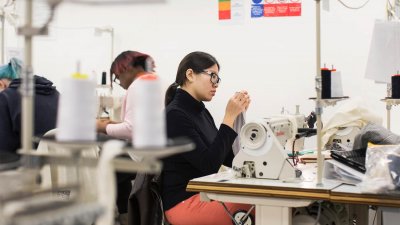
(274, 199)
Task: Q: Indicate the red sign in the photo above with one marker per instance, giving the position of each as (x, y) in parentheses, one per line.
(282, 9)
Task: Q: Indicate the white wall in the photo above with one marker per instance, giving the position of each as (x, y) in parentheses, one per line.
(272, 58)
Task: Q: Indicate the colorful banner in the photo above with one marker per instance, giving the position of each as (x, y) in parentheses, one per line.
(275, 8)
(224, 9)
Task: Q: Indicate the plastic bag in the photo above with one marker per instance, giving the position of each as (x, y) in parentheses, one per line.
(382, 170)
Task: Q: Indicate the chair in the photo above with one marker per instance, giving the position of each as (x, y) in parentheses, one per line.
(145, 206)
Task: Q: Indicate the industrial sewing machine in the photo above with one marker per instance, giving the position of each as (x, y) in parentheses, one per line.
(343, 139)
(263, 154)
(109, 106)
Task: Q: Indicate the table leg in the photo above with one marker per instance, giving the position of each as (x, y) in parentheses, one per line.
(273, 215)
(358, 213)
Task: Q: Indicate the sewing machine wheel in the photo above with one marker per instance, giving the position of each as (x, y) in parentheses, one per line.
(253, 135)
(331, 213)
(238, 215)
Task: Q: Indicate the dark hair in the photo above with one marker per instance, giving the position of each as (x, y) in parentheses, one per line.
(197, 61)
(128, 58)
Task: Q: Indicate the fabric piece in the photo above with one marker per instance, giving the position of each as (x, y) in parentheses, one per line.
(106, 179)
(376, 134)
(237, 125)
(192, 211)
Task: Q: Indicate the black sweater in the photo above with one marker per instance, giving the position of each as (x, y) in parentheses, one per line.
(188, 117)
(45, 112)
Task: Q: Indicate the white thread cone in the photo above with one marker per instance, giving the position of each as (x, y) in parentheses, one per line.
(76, 119)
(149, 116)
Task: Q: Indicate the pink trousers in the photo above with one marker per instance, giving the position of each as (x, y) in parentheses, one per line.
(192, 211)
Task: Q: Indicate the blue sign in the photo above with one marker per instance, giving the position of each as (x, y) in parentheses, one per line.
(257, 1)
(257, 11)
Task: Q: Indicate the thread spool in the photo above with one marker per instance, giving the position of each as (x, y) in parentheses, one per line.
(76, 120)
(396, 86)
(149, 116)
(326, 83)
(331, 83)
(336, 84)
(103, 78)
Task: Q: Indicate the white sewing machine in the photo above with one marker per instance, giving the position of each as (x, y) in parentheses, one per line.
(343, 139)
(108, 104)
(262, 153)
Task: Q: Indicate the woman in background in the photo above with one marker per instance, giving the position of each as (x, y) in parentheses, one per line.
(126, 68)
(45, 106)
(197, 78)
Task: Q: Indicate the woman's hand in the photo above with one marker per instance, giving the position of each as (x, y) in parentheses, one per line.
(237, 104)
(101, 125)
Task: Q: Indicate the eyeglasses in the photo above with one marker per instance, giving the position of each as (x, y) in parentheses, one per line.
(116, 80)
(214, 78)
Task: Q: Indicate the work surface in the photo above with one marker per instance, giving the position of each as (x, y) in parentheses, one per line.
(225, 183)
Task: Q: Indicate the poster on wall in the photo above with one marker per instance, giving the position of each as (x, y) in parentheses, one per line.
(275, 8)
(231, 10)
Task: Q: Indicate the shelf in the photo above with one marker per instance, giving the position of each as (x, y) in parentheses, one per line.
(391, 101)
(174, 146)
(79, 144)
(330, 101)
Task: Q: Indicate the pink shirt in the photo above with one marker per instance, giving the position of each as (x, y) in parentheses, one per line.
(123, 130)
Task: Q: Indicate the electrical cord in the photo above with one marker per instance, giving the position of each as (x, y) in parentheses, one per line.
(352, 7)
(319, 212)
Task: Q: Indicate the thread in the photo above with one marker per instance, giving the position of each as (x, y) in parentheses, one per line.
(326, 83)
(396, 86)
(76, 120)
(103, 78)
(331, 83)
(336, 84)
(148, 114)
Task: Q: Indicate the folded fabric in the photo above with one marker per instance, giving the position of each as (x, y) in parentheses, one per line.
(237, 126)
(353, 112)
(376, 134)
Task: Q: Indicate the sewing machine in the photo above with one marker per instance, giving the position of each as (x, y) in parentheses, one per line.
(262, 153)
(343, 139)
(109, 106)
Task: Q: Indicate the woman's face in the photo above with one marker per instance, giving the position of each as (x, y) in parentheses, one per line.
(126, 78)
(203, 89)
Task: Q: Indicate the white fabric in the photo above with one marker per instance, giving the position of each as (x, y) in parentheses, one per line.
(106, 180)
(353, 112)
(237, 125)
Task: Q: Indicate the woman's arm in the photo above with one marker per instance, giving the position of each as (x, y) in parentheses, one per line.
(124, 130)
(204, 158)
